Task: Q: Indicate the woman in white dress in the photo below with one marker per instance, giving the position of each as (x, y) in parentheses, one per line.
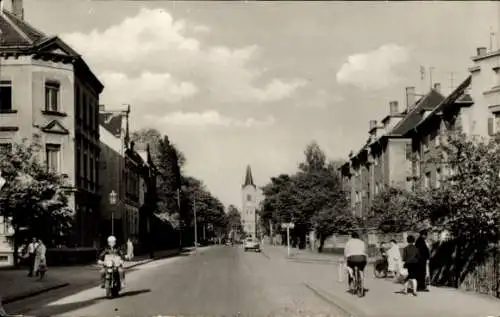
(394, 259)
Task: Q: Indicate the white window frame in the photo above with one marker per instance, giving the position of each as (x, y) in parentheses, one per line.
(50, 87)
(53, 148)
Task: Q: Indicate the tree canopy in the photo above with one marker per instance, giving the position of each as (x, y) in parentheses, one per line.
(33, 197)
(311, 198)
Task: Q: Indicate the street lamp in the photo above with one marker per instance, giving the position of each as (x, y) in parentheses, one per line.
(112, 202)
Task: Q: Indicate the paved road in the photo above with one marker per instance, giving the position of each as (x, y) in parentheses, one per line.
(217, 281)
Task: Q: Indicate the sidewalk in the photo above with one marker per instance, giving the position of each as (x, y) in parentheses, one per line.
(305, 255)
(19, 286)
(384, 299)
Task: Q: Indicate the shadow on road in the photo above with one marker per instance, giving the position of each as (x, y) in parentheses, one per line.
(41, 301)
(59, 310)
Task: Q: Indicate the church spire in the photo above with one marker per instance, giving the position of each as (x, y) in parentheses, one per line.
(248, 178)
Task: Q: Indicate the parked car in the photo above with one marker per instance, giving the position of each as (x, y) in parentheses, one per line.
(252, 244)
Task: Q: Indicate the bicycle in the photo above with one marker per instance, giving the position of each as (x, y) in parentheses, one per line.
(359, 288)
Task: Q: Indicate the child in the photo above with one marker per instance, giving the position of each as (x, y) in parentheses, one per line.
(410, 259)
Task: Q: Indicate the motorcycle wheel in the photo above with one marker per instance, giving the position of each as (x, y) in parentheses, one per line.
(115, 290)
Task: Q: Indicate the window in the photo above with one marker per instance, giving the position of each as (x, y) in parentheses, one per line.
(52, 96)
(427, 180)
(5, 147)
(438, 177)
(5, 96)
(425, 141)
(408, 151)
(496, 119)
(249, 197)
(53, 157)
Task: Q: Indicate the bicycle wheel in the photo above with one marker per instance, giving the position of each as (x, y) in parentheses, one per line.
(359, 284)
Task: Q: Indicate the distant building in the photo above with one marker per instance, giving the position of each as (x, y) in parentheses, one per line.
(46, 88)
(250, 203)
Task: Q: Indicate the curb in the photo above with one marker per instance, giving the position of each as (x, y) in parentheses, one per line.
(346, 308)
(320, 260)
(15, 298)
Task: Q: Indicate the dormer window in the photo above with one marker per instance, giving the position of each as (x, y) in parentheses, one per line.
(52, 96)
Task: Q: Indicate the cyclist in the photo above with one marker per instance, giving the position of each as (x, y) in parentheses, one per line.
(355, 254)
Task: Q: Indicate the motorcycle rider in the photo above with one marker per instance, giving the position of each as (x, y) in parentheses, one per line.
(112, 250)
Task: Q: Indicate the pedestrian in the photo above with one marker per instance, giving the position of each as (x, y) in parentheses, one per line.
(130, 249)
(40, 264)
(424, 252)
(394, 258)
(411, 258)
(31, 255)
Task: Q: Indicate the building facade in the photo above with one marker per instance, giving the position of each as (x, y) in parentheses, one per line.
(409, 154)
(123, 170)
(39, 81)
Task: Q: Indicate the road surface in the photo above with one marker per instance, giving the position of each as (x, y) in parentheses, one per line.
(218, 281)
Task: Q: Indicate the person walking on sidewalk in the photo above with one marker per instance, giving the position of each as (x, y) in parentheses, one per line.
(424, 252)
(394, 259)
(130, 250)
(355, 254)
(40, 259)
(31, 255)
(411, 258)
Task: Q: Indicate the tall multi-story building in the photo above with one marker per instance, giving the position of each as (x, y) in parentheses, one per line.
(121, 171)
(46, 88)
(410, 154)
(384, 159)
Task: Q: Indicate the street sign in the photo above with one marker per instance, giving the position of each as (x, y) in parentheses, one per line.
(289, 225)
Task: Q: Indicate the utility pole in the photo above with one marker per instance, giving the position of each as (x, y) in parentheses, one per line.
(431, 68)
(271, 232)
(451, 82)
(195, 227)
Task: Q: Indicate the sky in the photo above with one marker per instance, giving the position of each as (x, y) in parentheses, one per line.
(238, 83)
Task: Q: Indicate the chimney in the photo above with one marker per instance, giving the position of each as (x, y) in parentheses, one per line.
(17, 9)
(373, 124)
(481, 51)
(437, 87)
(393, 108)
(101, 107)
(410, 97)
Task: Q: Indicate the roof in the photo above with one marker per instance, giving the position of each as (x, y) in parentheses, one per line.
(459, 95)
(415, 115)
(112, 122)
(18, 37)
(17, 32)
(248, 178)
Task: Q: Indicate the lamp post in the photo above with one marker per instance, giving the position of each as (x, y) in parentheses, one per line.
(195, 227)
(112, 202)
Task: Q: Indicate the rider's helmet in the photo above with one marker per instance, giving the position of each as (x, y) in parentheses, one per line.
(111, 241)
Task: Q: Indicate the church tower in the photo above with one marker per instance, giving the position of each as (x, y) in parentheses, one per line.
(249, 204)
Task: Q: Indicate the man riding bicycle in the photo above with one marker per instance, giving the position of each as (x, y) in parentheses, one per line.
(355, 254)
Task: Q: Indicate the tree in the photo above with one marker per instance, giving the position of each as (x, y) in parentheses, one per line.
(234, 220)
(33, 197)
(312, 198)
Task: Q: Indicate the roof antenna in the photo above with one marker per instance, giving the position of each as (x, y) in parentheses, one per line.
(492, 36)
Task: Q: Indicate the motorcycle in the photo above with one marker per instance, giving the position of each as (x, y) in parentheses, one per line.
(113, 283)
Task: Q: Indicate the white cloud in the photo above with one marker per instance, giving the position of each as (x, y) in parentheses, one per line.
(209, 118)
(321, 100)
(152, 40)
(146, 87)
(373, 69)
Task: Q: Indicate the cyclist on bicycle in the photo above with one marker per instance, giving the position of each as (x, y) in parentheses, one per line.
(355, 254)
